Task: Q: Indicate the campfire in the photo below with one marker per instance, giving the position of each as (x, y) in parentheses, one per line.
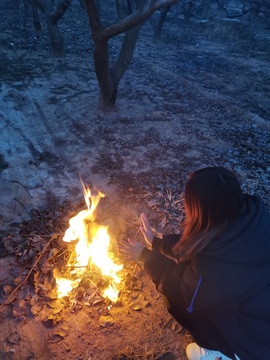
(92, 249)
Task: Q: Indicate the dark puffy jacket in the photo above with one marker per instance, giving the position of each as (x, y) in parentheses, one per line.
(229, 280)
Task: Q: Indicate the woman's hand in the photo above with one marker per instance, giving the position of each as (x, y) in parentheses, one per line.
(146, 230)
(131, 249)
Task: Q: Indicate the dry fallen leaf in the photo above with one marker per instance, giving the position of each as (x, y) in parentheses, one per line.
(139, 304)
(14, 338)
(152, 203)
(7, 289)
(106, 321)
(62, 332)
(4, 273)
(163, 221)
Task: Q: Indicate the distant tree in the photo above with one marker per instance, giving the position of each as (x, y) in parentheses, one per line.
(157, 21)
(233, 8)
(52, 14)
(132, 14)
(27, 8)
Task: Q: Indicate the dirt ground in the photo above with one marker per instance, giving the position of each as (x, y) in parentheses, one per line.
(200, 97)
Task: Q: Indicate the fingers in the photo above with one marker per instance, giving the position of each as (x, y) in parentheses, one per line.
(146, 230)
(131, 249)
(145, 222)
(127, 244)
(143, 231)
(124, 249)
(132, 242)
(124, 246)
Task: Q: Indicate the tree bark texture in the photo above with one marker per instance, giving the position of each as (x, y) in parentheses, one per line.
(107, 88)
(109, 78)
(122, 63)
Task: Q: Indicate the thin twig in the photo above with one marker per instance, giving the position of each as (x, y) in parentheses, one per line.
(33, 235)
(62, 267)
(134, 269)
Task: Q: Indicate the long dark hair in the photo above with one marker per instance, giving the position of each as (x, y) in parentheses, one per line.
(213, 197)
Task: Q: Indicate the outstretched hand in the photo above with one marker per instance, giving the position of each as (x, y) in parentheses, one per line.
(131, 249)
(146, 230)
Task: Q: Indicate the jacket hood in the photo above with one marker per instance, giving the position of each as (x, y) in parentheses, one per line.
(247, 240)
(236, 265)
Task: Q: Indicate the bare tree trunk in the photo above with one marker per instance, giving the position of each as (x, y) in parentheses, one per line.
(52, 17)
(36, 20)
(158, 26)
(122, 63)
(107, 90)
(109, 78)
(107, 95)
(57, 40)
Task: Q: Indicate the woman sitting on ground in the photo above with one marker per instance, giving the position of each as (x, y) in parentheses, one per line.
(215, 275)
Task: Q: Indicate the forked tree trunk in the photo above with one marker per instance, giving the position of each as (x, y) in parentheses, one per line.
(109, 77)
(124, 59)
(52, 17)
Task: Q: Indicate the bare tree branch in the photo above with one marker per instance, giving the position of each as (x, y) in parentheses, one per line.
(128, 22)
(109, 77)
(136, 18)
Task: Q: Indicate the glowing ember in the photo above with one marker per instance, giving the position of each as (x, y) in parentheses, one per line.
(93, 245)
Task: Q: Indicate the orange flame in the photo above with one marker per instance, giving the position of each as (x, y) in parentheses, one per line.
(93, 245)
